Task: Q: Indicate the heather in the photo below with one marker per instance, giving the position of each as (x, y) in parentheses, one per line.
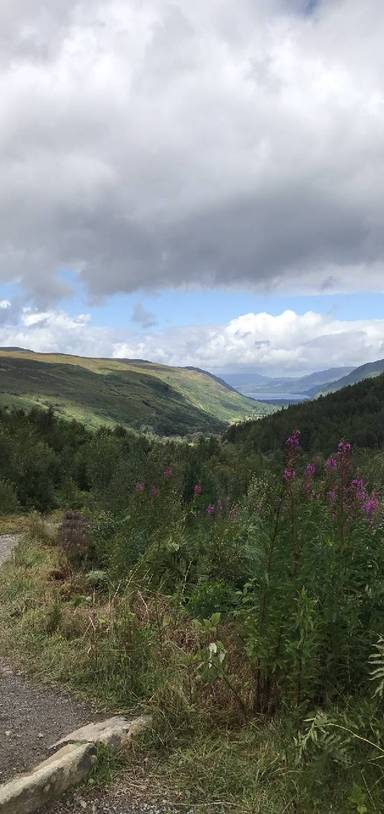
(236, 595)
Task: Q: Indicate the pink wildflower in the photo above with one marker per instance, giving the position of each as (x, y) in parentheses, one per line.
(168, 472)
(370, 506)
(331, 463)
(359, 489)
(289, 474)
(211, 509)
(197, 489)
(294, 440)
(140, 487)
(309, 473)
(344, 447)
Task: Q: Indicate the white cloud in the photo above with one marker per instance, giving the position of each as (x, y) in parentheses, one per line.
(56, 332)
(286, 344)
(154, 143)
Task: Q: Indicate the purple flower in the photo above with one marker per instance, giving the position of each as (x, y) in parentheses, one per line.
(310, 471)
(370, 506)
(331, 463)
(289, 474)
(359, 489)
(154, 491)
(140, 487)
(168, 472)
(344, 447)
(197, 489)
(211, 509)
(294, 440)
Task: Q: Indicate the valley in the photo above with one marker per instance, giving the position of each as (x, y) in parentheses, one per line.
(133, 393)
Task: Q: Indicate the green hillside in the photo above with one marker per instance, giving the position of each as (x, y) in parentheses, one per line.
(367, 371)
(137, 394)
(355, 413)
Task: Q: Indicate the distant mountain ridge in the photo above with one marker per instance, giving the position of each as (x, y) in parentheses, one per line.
(253, 383)
(138, 394)
(368, 371)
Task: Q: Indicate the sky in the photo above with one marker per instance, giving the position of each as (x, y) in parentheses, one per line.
(194, 183)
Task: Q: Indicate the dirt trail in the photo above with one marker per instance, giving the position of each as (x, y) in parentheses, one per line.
(34, 716)
(7, 543)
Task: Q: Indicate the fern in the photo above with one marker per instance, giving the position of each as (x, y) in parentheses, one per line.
(377, 661)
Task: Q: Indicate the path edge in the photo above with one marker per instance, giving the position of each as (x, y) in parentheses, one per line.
(68, 767)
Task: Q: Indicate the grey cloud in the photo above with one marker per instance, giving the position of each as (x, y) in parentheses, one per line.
(151, 145)
(142, 317)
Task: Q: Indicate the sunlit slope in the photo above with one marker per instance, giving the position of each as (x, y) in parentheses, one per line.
(137, 394)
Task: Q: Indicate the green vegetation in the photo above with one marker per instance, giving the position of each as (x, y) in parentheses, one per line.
(356, 413)
(233, 588)
(140, 395)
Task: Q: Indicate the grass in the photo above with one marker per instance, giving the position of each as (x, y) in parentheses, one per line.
(13, 524)
(62, 630)
(165, 400)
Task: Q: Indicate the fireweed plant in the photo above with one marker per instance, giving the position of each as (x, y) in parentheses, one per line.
(295, 571)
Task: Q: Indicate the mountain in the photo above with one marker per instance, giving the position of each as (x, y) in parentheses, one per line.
(137, 394)
(246, 379)
(321, 377)
(358, 374)
(255, 384)
(354, 413)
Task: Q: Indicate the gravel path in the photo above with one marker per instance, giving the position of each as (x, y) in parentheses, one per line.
(113, 800)
(34, 716)
(7, 543)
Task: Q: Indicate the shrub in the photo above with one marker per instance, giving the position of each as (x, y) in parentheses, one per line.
(74, 537)
(211, 597)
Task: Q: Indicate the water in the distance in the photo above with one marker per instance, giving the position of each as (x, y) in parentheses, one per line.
(276, 398)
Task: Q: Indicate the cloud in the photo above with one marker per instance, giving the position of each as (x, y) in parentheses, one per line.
(285, 344)
(54, 331)
(143, 317)
(149, 144)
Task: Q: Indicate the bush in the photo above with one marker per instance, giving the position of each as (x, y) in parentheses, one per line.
(211, 597)
(74, 538)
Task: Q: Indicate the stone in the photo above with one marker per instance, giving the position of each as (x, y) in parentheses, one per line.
(49, 780)
(113, 732)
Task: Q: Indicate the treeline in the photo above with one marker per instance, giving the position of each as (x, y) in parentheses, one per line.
(356, 413)
(47, 462)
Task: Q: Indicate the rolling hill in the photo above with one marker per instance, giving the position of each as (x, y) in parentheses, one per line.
(134, 393)
(358, 374)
